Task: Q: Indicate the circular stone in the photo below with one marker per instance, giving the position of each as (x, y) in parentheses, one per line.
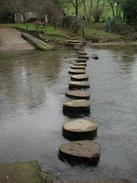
(80, 152)
(80, 64)
(83, 57)
(80, 129)
(74, 41)
(78, 85)
(79, 60)
(77, 71)
(78, 94)
(78, 67)
(79, 77)
(76, 107)
(81, 53)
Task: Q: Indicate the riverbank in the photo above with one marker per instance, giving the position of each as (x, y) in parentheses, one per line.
(94, 33)
(57, 36)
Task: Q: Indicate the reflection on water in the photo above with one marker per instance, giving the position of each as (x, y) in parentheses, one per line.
(32, 86)
(25, 77)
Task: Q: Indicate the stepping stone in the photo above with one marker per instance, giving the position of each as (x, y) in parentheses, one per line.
(78, 94)
(81, 53)
(80, 64)
(80, 152)
(77, 46)
(74, 108)
(77, 67)
(94, 181)
(80, 60)
(79, 77)
(77, 71)
(25, 172)
(80, 129)
(74, 41)
(95, 56)
(78, 85)
(83, 57)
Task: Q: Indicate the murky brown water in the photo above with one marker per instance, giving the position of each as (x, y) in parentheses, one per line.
(32, 86)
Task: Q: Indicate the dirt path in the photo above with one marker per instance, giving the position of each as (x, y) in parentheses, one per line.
(10, 39)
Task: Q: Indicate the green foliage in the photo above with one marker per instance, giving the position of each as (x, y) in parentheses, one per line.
(76, 25)
(130, 11)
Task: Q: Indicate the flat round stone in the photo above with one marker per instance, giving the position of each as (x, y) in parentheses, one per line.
(77, 71)
(80, 60)
(78, 94)
(74, 108)
(79, 77)
(74, 41)
(80, 129)
(78, 67)
(80, 152)
(80, 64)
(83, 56)
(78, 85)
(81, 53)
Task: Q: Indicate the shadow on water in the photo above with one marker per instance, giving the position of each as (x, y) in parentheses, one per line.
(32, 87)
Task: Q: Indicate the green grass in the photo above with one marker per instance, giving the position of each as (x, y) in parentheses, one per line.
(96, 32)
(47, 29)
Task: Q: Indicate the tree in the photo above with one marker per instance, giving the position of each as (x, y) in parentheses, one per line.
(75, 4)
(129, 8)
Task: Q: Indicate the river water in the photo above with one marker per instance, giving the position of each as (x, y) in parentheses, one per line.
(32, 86)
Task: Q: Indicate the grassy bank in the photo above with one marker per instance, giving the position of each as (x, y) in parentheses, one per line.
(53, 34)
(94, 33)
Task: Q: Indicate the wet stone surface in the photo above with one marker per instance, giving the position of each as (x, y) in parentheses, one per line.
(80, 129)
(80, 64)
(79, 77)
(76, 108)
(80, 60)
(78, 67)
(80, 152)
(78, 85)
(77, 71)
(78, 94)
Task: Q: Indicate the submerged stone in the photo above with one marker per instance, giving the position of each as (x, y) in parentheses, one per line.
(94, 56)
